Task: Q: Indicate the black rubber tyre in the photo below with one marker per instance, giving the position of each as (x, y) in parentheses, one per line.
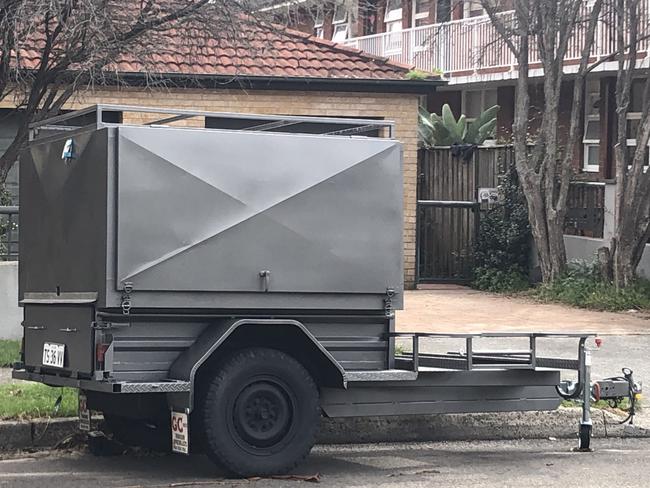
(259, 413)
(154, 434)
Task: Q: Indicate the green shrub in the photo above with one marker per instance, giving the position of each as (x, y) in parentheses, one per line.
(581, 286)
(501, 253)
(500, 281)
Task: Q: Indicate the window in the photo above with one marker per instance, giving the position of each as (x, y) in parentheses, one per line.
(393, 16)
(473, 8)
(477, 101)
(393, 24)
(443, 11)
(421, 12)
(341, 24)
(635, 113)
(474, 102)
(591, 138)
(340, 14)
(319, 20)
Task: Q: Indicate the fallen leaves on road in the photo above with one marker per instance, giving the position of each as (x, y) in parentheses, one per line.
(312, 478)
(414, 473)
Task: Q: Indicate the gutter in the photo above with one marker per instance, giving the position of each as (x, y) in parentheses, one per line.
(421, 87)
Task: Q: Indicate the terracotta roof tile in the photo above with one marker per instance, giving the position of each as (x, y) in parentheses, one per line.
(260, 51)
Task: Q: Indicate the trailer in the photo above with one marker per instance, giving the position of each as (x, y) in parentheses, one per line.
(222, 284)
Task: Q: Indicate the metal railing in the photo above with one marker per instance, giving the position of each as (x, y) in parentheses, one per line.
(8, 233)
(475, 358)
(468, 46)
(585, 209)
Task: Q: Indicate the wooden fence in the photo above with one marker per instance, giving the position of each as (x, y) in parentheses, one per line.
(448, 209)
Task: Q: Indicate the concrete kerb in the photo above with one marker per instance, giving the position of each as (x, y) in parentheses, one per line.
(559, 424)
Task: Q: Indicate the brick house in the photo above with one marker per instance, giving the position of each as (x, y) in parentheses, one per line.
(288, 73)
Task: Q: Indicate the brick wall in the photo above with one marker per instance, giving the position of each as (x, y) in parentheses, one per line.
(401, 108)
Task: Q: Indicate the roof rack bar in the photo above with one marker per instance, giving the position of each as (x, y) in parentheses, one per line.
(362, 125)
(168, 120)
(59, 118)
(229, 115)
(352, 130)
(271, 125)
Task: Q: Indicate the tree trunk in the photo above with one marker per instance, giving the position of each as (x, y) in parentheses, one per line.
(622, 259)
(628, 245)
(11, 154)
(547, 230)
(605, 264)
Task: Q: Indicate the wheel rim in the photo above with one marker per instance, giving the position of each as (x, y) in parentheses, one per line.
(263, 413)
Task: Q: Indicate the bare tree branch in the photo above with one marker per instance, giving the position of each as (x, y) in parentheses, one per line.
(51, 49)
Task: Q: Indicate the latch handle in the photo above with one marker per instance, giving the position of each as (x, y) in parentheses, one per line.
(265, 274)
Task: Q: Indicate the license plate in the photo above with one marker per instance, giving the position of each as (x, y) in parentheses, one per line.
(53, 354)
(84, 413)
(180, 433)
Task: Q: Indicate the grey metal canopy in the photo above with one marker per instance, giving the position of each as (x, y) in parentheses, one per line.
(235, 211)
(102, 115)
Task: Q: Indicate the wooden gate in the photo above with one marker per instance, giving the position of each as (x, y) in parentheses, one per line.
(448, 210)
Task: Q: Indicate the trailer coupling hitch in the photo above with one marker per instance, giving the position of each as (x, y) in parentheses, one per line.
(620, 392)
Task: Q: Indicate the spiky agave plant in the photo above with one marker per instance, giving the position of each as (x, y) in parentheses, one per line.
(445, 130)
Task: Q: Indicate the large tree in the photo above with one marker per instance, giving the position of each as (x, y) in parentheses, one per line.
(50, 49)
(545, 30)
(632, 215)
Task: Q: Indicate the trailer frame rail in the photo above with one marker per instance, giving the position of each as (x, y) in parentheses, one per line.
(473, 359)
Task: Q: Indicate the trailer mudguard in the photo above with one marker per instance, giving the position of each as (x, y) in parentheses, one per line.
(285, 334)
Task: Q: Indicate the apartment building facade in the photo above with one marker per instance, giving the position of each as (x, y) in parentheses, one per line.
(455, 38)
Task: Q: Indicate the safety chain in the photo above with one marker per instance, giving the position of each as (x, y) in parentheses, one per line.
(126, 298)
(388, 303)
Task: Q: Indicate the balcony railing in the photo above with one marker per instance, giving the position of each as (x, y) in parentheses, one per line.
(472, 46)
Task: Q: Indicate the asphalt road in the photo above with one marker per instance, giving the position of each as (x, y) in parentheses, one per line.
(616, 462)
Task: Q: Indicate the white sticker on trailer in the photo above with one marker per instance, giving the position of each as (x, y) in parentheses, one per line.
(84, 414)
(180, 433)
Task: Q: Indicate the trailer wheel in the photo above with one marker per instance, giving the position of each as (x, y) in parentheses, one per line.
(260, 413)
(152, 434)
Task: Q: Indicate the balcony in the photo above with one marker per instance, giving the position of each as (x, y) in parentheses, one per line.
(471, 50)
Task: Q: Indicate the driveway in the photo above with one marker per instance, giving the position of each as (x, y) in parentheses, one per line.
(449, 309)
(459, 309)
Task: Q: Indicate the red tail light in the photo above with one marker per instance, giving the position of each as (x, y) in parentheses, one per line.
(100, 354)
